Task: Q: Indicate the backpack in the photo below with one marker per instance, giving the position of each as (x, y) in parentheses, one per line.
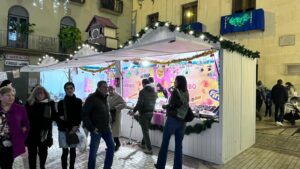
(183, 109)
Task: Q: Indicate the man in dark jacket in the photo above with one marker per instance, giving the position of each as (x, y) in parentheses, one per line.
(145, 106)
(96, 119)
(279, 97)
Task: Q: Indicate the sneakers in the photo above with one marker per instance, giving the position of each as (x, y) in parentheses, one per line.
(278, 123)
(147, 151)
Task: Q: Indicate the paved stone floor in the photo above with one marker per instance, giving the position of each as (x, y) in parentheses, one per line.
(275, 148)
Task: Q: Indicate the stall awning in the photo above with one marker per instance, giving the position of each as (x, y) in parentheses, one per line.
(159, 43)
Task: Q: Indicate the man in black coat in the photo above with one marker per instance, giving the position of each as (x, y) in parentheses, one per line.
(145, 106)
(97, 120)
(279, 97)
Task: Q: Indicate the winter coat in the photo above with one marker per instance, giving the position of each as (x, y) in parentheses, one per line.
(279, 94)
(116, 103)
(73, 113)
(175, 102)
(41, 115)
(291, 91)
(146, 100)
(95, 113)
(17, 119)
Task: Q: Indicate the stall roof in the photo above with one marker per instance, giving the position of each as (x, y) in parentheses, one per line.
(158, 43)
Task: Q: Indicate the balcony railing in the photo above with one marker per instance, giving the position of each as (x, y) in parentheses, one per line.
(31, 41)
(115, 6)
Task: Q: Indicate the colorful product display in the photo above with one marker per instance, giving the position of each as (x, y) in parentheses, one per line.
(202, 76)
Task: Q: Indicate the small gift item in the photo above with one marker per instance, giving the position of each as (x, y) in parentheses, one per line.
(158, 118)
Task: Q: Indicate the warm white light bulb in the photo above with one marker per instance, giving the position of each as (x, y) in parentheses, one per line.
(191, 32)
(202, 36)
(177, 28)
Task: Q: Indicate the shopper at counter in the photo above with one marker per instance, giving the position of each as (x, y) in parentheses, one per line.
(145, 105)
(173, 125)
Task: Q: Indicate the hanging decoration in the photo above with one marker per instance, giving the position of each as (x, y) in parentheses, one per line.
(189, 59)
(97, 70)
(47, 60)
(55, 4)
(205, 36)
(197, 128)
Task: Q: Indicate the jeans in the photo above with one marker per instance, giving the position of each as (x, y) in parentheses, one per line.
(177, 127)
(145, 119)
(94, 145)
(268, 110)
(277, 108)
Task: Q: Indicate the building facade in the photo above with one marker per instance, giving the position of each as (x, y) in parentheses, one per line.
(29, 29)
(277, 42)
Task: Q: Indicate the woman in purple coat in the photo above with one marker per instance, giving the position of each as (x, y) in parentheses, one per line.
(14, 127)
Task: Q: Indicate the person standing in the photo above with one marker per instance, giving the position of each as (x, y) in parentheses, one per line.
(145, 105)
(290, 89)
(161, 91)
(279, 97)
(96, 118)
(41, 112)
(9, 83)
(69, 119)
(152, 83)
(268, 103)
(173, 125)
(116, 104)
(14, 127)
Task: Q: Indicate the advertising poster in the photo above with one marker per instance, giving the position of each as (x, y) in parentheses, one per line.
(202, 76)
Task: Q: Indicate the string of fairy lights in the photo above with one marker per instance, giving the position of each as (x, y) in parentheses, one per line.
(205, 36)
(55, 4)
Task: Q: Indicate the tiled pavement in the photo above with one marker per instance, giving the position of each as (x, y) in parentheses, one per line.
(276, 147)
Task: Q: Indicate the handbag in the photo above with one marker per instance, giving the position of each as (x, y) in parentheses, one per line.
(72, 138)
(189, 116)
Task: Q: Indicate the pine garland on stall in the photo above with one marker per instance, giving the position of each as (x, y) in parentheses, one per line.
(225, 44)
(197, 128)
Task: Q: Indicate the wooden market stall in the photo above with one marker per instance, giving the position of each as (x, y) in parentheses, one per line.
(235, 130)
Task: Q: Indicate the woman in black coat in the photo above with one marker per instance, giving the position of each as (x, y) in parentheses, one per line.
(174, 125)
(41, 112)
(69, 119)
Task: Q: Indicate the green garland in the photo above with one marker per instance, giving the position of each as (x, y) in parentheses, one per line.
(197, 128)
(225, 44)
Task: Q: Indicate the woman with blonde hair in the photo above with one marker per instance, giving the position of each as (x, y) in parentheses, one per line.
(41, 112)
(14, 127)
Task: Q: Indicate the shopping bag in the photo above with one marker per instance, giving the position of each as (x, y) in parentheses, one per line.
(158, 119)
(82, 145)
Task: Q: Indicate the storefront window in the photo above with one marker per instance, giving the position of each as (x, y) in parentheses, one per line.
(243, 5)
(152, 18)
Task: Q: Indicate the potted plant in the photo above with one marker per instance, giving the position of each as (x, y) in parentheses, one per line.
(70, 38)
(22, 31)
